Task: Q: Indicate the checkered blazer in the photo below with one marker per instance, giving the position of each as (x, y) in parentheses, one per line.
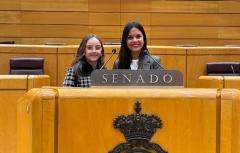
(72, 81)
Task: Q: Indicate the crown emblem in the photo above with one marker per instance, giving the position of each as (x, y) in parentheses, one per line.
(138, 130)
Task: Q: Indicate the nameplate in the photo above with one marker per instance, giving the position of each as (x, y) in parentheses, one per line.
(137, 78)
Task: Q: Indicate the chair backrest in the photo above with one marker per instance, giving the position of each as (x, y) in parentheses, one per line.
(7, 42)
(223, 68)
(34, 66)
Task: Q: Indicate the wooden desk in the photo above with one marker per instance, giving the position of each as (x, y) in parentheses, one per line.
(211, 82)
(68, 120)
(49, 53)
(198, 57)
(219, 82)
(12, 87)
(191, 61)
(232, 82)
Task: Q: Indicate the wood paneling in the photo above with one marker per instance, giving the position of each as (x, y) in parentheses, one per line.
(133, 6)
(231, 6)
(10, 5)
(194, 120)
(105, 31)
(35, 81)
(58, 18)
(197, 61)
(230, 123)
(179, 122)
(104, 19)
(185, 6)
(179, 19)
(44, 30)
(191, 61)
(143, 18)
(8, 119)
(184, 32)
(16, 82)
(42, 41)
(232, 82)
(55, 5)
(104, 6)
(31, 22)
(12, 87)
(229, 33)
(198, 42)
(10, 16)
(50, 56)
(210, 82)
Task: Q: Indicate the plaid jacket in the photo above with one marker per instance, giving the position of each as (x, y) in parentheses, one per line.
(71, 80)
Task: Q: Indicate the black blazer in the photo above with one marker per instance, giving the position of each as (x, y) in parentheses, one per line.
(146, 63)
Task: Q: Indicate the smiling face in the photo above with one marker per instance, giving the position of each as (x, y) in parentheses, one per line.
(135, 42)
(93, 50)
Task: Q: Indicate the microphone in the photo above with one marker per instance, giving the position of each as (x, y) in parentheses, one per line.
(232, 69)
(146, 52)
(114, 50)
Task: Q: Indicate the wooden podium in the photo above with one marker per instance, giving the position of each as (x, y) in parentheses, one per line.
(67, 120)
(13, 87)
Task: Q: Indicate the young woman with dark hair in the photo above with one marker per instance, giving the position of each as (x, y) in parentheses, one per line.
(133, 52)
(88, 58)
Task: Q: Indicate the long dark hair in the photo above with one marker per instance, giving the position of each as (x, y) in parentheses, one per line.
(80, 59)
(125, 56)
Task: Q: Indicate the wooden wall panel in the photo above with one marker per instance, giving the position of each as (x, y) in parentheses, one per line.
(43, 41)
(53, 30)
(170, 22)
(104, 5)
(55, 5)
(9, 30)
(184, 32)
(104, 19)
(133, 6)
(105, 31)
(143, 18)
(67, 18)
(10, 16)
(10, 5)
(229, 32)
(180, 6)
(198, 42)
(180, 19)
(44, 30)
(231, 6)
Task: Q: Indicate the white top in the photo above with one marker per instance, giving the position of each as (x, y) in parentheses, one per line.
(134, 64)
